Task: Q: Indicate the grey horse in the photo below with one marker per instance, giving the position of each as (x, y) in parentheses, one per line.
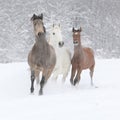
(42, 57)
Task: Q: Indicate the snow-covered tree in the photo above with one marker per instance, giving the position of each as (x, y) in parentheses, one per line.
(100, 22)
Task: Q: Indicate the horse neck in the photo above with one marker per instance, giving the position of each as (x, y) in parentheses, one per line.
(78, 50)
(41, 42)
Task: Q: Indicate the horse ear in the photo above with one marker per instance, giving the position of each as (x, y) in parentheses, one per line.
(73, 29)
(44, 29)
(80, 29)
(41, 16)
(33, 17)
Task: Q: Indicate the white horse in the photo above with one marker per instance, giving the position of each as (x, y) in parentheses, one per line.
(63, 55)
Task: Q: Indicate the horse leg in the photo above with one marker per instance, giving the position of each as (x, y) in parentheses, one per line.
(65, 74)
(72, 75)
(55, 75)
(91, 74)
(77, 78)
(45, 76)
(32, 81)
(65, 71)
(42, 85)
(37, 76)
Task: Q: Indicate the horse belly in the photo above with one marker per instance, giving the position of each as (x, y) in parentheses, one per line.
(88, 63)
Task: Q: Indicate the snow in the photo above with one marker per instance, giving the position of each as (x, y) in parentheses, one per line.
(61, 101)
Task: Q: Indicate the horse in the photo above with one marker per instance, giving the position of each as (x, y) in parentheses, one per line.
(63, 55)
(42, 57)
(83, 58)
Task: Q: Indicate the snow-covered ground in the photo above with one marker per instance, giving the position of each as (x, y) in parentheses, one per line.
(61, 101)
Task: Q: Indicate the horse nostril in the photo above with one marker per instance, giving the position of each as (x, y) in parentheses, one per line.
(75, 42)
(39, 33)
(61, 44)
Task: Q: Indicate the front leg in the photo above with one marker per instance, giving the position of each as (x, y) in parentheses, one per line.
(45, 77)
(32, 81)
(77, 78)
(42, 85)
(72, 74)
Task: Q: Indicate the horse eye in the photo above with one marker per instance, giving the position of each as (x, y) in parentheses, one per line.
(53, 33)
(35, 23)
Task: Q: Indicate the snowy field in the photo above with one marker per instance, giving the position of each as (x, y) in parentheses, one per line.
(61, 101)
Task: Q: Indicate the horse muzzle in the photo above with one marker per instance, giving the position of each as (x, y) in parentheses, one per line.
(61, 44)
(75, 43)
(40, 33)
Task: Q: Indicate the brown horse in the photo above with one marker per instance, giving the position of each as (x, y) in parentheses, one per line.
(42, 57)
(83, 58)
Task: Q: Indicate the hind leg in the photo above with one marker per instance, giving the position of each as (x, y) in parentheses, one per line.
(32, 81)
(91, 74)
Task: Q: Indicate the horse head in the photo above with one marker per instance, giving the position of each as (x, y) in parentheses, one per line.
(56, 36)
(38, 24)
(76, 35)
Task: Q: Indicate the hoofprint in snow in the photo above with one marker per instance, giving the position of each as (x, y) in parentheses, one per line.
(61, 101)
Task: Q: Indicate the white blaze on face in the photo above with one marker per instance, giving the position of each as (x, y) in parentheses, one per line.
(38, 26)
(76, 33)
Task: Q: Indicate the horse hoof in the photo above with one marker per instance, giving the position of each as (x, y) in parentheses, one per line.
(31, 93)
(40, 92)
(75, 82)
(71, 82)
(96, 87)
(31, 90)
